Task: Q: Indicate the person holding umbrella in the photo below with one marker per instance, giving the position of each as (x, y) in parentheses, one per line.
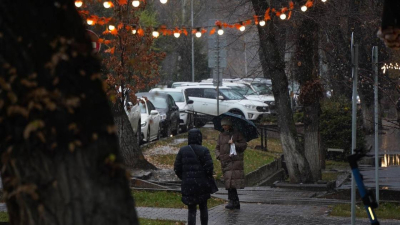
(231, 164)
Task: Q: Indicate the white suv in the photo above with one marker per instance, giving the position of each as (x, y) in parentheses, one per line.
(255, 92)
(186, 119)
(205, 103)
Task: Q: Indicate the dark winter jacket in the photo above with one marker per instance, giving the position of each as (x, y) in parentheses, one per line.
(232, 166)
(193, 167)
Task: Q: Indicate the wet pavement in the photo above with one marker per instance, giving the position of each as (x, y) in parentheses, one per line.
(264, 205)
(389, 159)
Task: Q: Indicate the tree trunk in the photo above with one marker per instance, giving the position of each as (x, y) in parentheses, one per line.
(130, 151)
(311, 89)
(271, 57)
(59, 150)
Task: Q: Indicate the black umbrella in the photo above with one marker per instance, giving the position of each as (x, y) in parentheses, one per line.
(244, 126)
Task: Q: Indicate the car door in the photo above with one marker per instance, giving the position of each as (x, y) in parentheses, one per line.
(210, 101)
(174, 109)
(197, 95)
(154, 121)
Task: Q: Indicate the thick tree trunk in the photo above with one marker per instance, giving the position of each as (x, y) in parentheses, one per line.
(130, 151)
(59, 151)
(311, 90)
(271, 58)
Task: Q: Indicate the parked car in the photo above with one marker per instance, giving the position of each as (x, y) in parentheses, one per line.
(133, 113)
(169, 111)
(185, 83)
(257, 92)
(150, 118)
(185, 106)
(205, 103)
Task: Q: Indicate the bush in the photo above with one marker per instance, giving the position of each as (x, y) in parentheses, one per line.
(335, 125)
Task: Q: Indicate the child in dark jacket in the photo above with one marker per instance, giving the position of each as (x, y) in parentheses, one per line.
(193, 165)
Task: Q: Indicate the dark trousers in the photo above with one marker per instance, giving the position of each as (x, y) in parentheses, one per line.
(232, 194)
(203, 214)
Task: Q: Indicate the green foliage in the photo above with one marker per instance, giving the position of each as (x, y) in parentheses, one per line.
(298, 117)
(148, 18)
(269, 119)
(158, 222)
(335, 125)
(4, 217)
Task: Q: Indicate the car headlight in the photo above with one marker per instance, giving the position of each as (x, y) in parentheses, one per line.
(143, 124)
(163, 116)
(270, 103)
(250, 106)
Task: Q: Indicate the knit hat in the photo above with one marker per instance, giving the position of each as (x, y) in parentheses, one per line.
(226, 121)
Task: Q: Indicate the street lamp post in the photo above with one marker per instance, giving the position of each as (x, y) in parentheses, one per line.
(191, 3)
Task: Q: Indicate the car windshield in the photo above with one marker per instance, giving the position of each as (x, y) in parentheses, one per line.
(158, 102)
(244, 90)
(177, 96)
(231, 94)
(262, 89)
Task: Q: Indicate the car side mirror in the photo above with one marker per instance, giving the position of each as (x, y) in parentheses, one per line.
(190, 102)
(153, 112)
(221, 97)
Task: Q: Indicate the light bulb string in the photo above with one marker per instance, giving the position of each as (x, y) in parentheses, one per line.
(163, 29)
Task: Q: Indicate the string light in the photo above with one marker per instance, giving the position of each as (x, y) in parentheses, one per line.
(107, 4)
(134, 30)
(135, 3)
(242, 27)
(177, 34)
(156, 34)
(198, 33)
(78, 3)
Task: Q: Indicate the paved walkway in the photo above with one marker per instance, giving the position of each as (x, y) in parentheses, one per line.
(389, 159)
(288, 207)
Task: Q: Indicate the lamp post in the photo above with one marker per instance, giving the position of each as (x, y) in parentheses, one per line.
(191, 11)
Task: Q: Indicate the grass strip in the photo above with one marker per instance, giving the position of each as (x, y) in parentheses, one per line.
(165, 199)
(4, 218)
(386, 210)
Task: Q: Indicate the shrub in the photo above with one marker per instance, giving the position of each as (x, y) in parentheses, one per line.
(335, 125)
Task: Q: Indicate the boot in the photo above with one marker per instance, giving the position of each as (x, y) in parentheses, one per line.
(230, 205)
(236, 204)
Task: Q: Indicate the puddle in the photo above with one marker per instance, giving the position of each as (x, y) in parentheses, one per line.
(179, 141)
(389, 160)
(162, 150)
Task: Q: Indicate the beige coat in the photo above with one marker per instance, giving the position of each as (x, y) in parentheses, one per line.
(232, 166)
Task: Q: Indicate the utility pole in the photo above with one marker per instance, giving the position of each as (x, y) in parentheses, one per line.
(192, 42)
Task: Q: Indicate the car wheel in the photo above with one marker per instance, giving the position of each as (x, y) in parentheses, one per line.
(176, 130)
(185, 127)
(148, 135)
(159, 133)
(191, 122)
(238, 113)
(167, 130)
(199, 124)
